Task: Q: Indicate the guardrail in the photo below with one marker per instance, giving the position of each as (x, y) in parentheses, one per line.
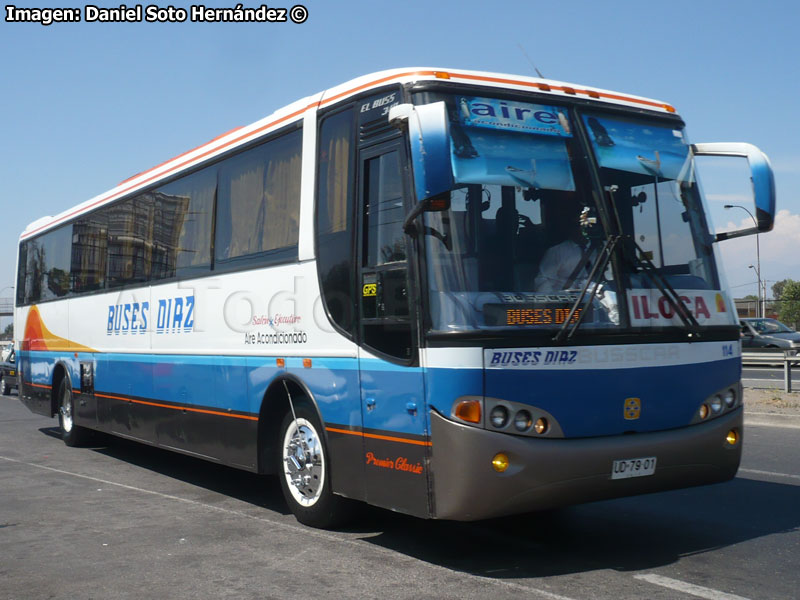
(769, 356)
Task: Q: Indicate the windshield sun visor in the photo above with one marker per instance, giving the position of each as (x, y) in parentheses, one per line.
(492, 144)
(650, 151)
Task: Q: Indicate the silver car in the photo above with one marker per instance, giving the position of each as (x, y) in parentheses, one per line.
(768, 333)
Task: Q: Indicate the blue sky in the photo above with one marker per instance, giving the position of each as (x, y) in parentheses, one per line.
(84, 106)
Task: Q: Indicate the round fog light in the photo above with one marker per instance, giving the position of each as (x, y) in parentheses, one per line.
(523, 420)
(499, 417)
(541, 426)
(500, 462)
(733, 437)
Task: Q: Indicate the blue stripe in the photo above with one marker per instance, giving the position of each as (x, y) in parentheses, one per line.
(590, 402)
(585, 402)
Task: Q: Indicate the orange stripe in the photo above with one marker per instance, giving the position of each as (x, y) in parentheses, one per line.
(379, 437)
(219, 137)
(196, 410)
(349, 92)
(39, 385)
(591, 93)
(376, 83)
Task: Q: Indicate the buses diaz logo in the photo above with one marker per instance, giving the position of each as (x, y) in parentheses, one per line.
(399, 464)
(174, 315)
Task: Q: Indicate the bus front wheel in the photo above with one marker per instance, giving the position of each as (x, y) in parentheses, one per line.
(72, 434)
(304, 471)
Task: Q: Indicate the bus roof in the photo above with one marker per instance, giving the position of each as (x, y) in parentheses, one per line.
(295, 111)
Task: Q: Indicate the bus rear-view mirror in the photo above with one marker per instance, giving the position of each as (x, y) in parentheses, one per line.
(429, 140)
(761, 178)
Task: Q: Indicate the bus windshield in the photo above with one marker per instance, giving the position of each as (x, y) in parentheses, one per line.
(523, 242)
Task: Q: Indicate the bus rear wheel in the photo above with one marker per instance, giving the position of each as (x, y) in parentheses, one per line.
(72, 434)
(304, 471)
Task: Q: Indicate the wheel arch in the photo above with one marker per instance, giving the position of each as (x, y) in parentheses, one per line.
(274, 406)
(60, 371)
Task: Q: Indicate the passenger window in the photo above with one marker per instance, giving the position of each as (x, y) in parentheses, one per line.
(335, 217)
(184, 214)
(130, 236)
(89, 249)
(259, 203)
(47, 274)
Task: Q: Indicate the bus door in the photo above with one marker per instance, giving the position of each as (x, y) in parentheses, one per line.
(394, 416)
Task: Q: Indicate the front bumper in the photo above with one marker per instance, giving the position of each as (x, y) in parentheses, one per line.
(558, 472)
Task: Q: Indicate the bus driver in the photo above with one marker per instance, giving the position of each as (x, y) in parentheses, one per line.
(561, 264)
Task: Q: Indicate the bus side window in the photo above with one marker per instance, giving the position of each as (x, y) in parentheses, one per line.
(130, 237)
(384, 283)
(335, 219)
(89, 252)
(184, 223)
(47, 269)
(258, 204)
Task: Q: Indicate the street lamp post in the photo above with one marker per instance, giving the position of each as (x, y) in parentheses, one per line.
(759, 311)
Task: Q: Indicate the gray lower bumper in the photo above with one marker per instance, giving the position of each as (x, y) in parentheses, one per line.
(550, 473)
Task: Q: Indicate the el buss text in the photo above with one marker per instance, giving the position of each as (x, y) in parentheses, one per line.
(154, 13)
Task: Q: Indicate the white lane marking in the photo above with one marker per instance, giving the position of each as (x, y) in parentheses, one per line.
(769, 473)
(297, 528)
(687, 588)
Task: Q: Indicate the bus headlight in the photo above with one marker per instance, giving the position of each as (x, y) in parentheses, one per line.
(716, 404)
(499, 416)
(518, 418)
(523, 421)
(729, 397)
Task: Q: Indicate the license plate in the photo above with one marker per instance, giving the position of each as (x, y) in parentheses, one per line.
(633, 467)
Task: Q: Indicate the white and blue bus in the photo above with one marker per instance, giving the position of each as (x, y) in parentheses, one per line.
(453, 294)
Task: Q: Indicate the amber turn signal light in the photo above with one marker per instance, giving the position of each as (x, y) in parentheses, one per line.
(469, 411)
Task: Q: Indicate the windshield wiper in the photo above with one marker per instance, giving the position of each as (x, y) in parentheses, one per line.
(599, 266)
(645, 264)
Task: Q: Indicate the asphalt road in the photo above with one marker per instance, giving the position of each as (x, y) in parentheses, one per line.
(768, 377)
(121, 520)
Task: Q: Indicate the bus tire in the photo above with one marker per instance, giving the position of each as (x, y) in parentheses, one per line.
(304, 471)
(72, 434)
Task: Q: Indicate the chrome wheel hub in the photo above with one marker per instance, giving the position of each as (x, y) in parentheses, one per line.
(66, 410)
(303, 461)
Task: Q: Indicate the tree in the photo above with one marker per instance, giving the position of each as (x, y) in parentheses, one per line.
(789, 311)
(777, 288)
(9, 331)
